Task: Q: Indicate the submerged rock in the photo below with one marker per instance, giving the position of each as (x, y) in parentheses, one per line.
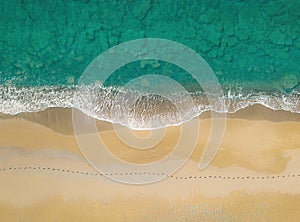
(289, 82)
(277, 37)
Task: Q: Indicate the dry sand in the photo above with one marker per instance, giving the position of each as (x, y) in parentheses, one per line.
(254, 177)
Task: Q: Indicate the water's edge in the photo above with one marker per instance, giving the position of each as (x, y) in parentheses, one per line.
(137, 110)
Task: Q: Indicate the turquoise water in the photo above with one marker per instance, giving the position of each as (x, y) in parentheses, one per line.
(252, 46)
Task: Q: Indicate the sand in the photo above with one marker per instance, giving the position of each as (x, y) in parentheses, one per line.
(254, 176)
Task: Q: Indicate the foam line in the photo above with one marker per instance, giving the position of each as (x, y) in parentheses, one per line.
(134, 109)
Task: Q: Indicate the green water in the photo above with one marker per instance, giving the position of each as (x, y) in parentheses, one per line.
(253, 45)
(51, 42)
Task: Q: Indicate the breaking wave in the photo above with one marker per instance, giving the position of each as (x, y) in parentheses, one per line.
(138, 109)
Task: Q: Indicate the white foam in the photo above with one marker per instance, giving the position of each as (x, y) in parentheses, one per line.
(148, 110)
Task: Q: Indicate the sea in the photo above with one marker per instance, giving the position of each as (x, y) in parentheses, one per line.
(250, 49)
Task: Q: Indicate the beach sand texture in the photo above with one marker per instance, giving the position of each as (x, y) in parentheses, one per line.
(255, 175)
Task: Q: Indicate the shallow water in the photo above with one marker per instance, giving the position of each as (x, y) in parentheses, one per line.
(253, 47)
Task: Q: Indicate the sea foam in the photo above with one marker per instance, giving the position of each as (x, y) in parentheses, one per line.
(138, 110)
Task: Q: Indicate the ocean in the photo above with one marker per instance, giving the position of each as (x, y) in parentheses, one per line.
(252, 48)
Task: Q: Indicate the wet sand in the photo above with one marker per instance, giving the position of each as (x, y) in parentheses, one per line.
(254, 176)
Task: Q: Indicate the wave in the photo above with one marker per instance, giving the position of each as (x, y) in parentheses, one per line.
(135, 109)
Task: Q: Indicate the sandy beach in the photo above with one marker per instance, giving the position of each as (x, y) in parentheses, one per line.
(254, 176)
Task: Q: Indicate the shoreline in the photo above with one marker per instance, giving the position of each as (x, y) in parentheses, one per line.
(60, 119)
(101, 104)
